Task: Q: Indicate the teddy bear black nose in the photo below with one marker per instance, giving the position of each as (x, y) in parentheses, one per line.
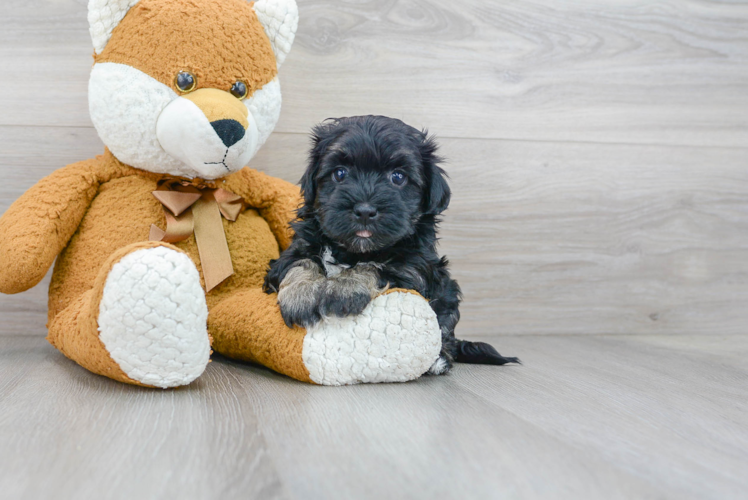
(230, 131)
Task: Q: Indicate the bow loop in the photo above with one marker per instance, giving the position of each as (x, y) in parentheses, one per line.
(197, 207)
(176, 201)
(230, 204)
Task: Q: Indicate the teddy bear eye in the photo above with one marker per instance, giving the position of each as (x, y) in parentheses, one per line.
(239, 89)
(398, 178)
(185, 81)
(339, 174)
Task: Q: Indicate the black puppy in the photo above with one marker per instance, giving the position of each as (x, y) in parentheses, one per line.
(372, 195)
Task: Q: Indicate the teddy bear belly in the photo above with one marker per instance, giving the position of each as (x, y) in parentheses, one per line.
(252, 246)
(122, 214)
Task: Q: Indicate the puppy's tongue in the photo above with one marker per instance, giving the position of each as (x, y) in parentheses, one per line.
(363, 234)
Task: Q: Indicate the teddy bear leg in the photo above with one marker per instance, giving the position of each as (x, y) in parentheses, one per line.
(144, 321)
(395, 339)
(248, 326)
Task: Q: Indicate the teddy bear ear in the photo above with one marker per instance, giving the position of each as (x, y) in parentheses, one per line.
(103, 17)
(280, 18)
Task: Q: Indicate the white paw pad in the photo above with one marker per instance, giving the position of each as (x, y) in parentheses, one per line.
(395, 339)
(153, 318)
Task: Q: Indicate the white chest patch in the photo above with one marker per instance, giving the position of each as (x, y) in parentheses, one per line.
(332, 267)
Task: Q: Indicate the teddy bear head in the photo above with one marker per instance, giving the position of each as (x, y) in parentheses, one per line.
(187, 87)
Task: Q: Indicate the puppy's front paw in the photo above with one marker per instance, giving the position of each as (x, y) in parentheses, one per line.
(305, 315)
(348, 293)
(340, 302)
(299, 294)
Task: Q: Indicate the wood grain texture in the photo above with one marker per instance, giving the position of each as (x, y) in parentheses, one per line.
(84, 436)
(570, 238)
(627, 71)
(585, 417)
(598, 161)
(637, 401)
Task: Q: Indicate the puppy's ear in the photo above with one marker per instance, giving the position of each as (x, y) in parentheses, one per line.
(437, 193)
(323, 135)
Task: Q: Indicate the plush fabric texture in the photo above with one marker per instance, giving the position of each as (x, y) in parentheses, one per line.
(248, 326)
(75, 330)
(132, 85)
(135, 310)
(38, 226)
(121, 210)
(152, 317)
(280, 19)
(125, 105)
(265, 107)
(103, 17)
(105, 209)
(395, 339)
(156, 38)
(186, 131)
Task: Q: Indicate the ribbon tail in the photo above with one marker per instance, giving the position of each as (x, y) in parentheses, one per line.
(177, 228)
(156, 234)
(215, 257)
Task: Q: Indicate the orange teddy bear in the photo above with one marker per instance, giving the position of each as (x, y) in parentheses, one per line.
(162, 243)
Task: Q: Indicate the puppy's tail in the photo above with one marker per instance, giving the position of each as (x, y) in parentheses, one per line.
(480, 353)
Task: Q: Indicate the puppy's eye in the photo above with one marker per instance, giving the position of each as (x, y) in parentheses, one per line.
(239, 90)
(185, 81)
(339, 174)
(398, 178)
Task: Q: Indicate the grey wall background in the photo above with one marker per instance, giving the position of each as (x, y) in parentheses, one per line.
(598, 150)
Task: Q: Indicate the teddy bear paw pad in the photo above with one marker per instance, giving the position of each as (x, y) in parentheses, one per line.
(395, 339)
(153, 318)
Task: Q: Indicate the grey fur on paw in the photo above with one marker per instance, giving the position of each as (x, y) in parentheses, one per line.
(304, 318)
(336, 302)
(349, 292)
(300, 293)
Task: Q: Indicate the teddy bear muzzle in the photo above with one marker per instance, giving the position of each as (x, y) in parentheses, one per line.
(210, 131)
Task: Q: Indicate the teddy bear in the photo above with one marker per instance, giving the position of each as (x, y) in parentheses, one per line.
(161, 244)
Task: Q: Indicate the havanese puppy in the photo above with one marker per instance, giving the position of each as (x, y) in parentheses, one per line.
(373, 192)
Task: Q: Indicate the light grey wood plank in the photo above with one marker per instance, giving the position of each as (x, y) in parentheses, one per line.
(47, 56)
(626, 71)
(65, 433)
(672, 410)
(421, 440)
(543, 237)
(570, 238)
(585, 417)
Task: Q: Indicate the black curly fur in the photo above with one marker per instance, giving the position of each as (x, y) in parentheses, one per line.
(404, 231)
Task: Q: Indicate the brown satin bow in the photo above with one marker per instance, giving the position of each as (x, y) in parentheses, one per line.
(197, 208)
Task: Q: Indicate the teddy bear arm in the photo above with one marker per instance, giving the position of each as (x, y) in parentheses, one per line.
(37, 226)
(277, 201)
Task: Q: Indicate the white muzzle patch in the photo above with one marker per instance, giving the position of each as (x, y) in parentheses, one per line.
(185, 133)
(145, 124)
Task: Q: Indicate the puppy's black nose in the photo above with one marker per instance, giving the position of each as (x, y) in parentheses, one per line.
(364, 212)
(230, 131)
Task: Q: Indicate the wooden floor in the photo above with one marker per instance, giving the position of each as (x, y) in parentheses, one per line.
(614, 416)
(598, 154)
